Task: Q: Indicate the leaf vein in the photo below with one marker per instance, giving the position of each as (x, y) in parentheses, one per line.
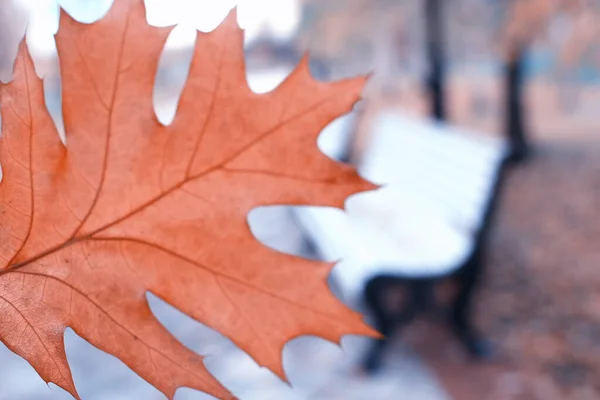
(247, 320)
(279, 175)
(36, 334)
(211, 270)
(275, 128)
(90, 75)
(209, 115)
(31, 183)
(97, 306)
(109, 127)
(14, 110)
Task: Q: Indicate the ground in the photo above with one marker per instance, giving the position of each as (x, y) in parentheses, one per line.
(541, 299)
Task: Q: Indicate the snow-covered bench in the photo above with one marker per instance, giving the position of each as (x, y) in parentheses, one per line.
(426, 222)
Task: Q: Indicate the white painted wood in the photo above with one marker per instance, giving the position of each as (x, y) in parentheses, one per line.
(421, 224)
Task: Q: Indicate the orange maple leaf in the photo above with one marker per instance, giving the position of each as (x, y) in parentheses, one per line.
(130, 205)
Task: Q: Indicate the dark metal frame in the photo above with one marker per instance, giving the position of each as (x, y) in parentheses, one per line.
(420, 297)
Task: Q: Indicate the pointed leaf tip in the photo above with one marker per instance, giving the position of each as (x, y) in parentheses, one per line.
(304, 62)
(231, 20)
(24, 55)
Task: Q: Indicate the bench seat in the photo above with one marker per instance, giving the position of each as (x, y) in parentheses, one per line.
(422, 223)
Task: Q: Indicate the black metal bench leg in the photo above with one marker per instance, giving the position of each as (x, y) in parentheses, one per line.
(387, 323)
(373, 358)
(461, 314)
(386, 327)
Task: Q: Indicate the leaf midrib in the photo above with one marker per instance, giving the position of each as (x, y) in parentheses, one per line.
(172, 189)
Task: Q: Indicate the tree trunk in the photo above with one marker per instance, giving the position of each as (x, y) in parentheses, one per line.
(435, 55)
(515, 129)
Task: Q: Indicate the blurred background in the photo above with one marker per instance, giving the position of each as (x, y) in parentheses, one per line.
(521, 72)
